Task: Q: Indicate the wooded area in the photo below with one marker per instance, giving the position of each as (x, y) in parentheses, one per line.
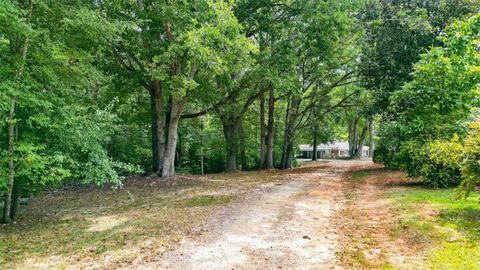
(93, 91)
(163, 134)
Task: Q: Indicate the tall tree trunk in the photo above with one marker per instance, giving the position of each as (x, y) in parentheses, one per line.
(263, 147)
(350, 142)
(202, 165)
(314, 154)
(243, 149)
(156, 107)
(16, 192)
(11, 163)
(352, 137)
(283, 161)
(270, 130)
(291, 117)
(174, 112)
(7, 217)
(371, 142)
(158, 127)
(230, 128)
(361, 142)
(179, 152)
(169, 159)
(287, 156)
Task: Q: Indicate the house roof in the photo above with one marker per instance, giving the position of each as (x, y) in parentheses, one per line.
(328, 146)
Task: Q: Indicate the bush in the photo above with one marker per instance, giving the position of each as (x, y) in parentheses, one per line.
(471, 160)
(451, 163)
(442, 168)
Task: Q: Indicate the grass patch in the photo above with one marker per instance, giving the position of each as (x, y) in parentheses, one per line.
(449, 229)
(458, 255)
(207, 200)
(365, 173)
(361, 174)
(356, 259)
(437, 230)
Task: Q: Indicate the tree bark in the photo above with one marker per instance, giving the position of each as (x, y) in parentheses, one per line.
(158, 127)
(243, 149)
(7, 215)
(7, 218)
(231, 119)
(361, 142)
(270, 130)
(314, 154)
(263, 147)
(352, 137)
(283, 161)
(287, 156)
(202, 165)
(230, 128)
(291, 117)
(371, 142)
(16, 192)
(169, 159)
(179, 152)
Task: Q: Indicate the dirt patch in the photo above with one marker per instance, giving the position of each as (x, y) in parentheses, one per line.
(365, 223)
(283, 226)
(326, 215)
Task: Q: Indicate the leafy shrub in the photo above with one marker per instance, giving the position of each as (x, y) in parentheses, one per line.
(471, 160)
(453, 162)
(444, 163)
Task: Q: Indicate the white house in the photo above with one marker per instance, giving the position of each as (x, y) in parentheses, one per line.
(331, 150)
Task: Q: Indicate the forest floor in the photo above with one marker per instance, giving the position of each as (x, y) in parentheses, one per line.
(324, 215)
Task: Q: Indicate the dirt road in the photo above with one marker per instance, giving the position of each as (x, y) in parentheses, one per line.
(284, 226)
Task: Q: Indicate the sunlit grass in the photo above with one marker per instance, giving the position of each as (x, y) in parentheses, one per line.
(448, 228)
(205, 200)
(434, 228)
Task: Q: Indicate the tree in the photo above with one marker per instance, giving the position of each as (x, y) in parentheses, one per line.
(17, 82)
(56, 130)
(359, 121)
(436, 104)
(176, 68)
(396, 34)
(269, 24)
(322, 63)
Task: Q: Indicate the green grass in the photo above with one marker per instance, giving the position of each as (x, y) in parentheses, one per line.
(449, 228)
(356, 259)
(362, 174)
(206, 200)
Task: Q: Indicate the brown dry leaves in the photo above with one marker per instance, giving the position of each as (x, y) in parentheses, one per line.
(366, 222)
(102, 228)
